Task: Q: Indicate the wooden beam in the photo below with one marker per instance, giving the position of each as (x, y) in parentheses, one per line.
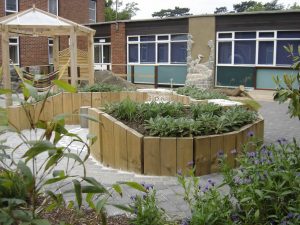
(56, 52)
(91, 58)
(5, 64)
(73, 54)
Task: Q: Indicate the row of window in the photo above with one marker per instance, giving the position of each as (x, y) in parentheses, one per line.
(157, 49)
(265, 48)
(12, 6)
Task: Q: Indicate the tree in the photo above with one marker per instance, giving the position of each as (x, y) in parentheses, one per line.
(126, 13)
(177, 11)
(220, 10)
(273, 5)
(294, 6)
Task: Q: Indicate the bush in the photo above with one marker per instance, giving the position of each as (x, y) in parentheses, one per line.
(101, 87)
(199, 94)
(265, 189)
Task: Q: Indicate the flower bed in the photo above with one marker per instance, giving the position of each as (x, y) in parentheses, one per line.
(120, 146)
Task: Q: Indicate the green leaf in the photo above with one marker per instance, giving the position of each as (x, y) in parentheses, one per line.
(53, 160)
(89, 200)
(78, 193)
(100, 205)
(118, 189)
(65, 86)
(92, 118)
(27, 175)
(5, 91)
(256, 215)
(96, 184)
(56, 179)
(124, 208)
(259, 193)
(38, 148)
(76, 158)
(135, 186)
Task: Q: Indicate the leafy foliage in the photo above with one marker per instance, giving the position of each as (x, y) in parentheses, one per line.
(146, 210)
(101, 87)
(126, 13)
(263, 190)
(291, 91)
(199, 94)
(177, 11)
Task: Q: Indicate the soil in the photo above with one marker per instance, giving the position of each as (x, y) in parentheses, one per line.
(85, 217)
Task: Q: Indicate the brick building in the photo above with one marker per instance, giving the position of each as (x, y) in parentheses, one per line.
(27, 51)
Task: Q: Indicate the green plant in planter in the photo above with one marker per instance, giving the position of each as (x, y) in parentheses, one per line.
(199, 94)
(102, 87)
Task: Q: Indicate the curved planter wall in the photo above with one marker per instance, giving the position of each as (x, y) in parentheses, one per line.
(120, 147)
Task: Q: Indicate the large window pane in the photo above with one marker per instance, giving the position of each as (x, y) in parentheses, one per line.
(225, 35)
(13, 54)
(92, 11)
(12, 5)
(147, 52)
(163, 52)
(266, 52)
(266, 34)
(288, 34)
(179, 37)
(224, 52)
(106, 53)
(283, 57)
(178, 52)
(244, 52)
(133, 53)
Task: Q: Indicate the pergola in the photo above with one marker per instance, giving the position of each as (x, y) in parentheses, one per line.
(35, 23)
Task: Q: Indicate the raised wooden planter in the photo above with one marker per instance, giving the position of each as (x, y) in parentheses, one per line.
(123, 148)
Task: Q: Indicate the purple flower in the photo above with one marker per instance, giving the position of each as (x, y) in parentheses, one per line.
(250, 134)
(234, 217)
(290, 215)
(233, 151)
(185, 222)
(191, 163)
(220, 154)
(282, 141)
(133, 197)
(211, 182)
(251, 154)
(149, 187)
(179, 172)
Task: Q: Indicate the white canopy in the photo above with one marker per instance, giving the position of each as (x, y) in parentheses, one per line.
(36, 22)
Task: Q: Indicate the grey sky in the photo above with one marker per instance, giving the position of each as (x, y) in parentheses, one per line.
(147, 7)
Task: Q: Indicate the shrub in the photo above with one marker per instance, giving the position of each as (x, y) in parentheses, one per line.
(199, 94)
(145, 208)
(102, 87)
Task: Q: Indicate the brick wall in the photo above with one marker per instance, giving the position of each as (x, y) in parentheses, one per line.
(34, 51)
(118, 48)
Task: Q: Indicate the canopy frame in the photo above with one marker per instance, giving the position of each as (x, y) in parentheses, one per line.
(35, 22)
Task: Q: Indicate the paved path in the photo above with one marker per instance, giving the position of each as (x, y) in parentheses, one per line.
(277, 125)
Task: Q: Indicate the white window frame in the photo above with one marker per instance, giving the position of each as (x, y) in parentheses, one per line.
(102, 44)
(50, 45)
(95, 9)
(56, 7)
(12, 11)
(257, 39)
(18, 49)
(156, 41)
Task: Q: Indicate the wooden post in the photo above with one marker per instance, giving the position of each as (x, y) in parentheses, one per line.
(73, 54)
(156, 77)
(132, 74)
(91, 58)
(56, 52)
(5, 64)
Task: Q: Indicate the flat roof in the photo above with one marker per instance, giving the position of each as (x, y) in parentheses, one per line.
(200, 15)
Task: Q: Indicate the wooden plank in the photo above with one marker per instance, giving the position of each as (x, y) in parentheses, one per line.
(96, 99)
(48, 110)
(132, 95)
(58, 104)
(38, 112)
(121, 155)
(114, 97)
(135, 153)
(105, 98)
(108, 141)
(86, 98)
(14, 118)
(230, 147)
(202, 155)
(152, 164)
(216, 147)
(184, 154)
(67, 107)
(168, 156)
(76, 100)
(123, 95)
(140, 97)
(94, 129)
(260, 129)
